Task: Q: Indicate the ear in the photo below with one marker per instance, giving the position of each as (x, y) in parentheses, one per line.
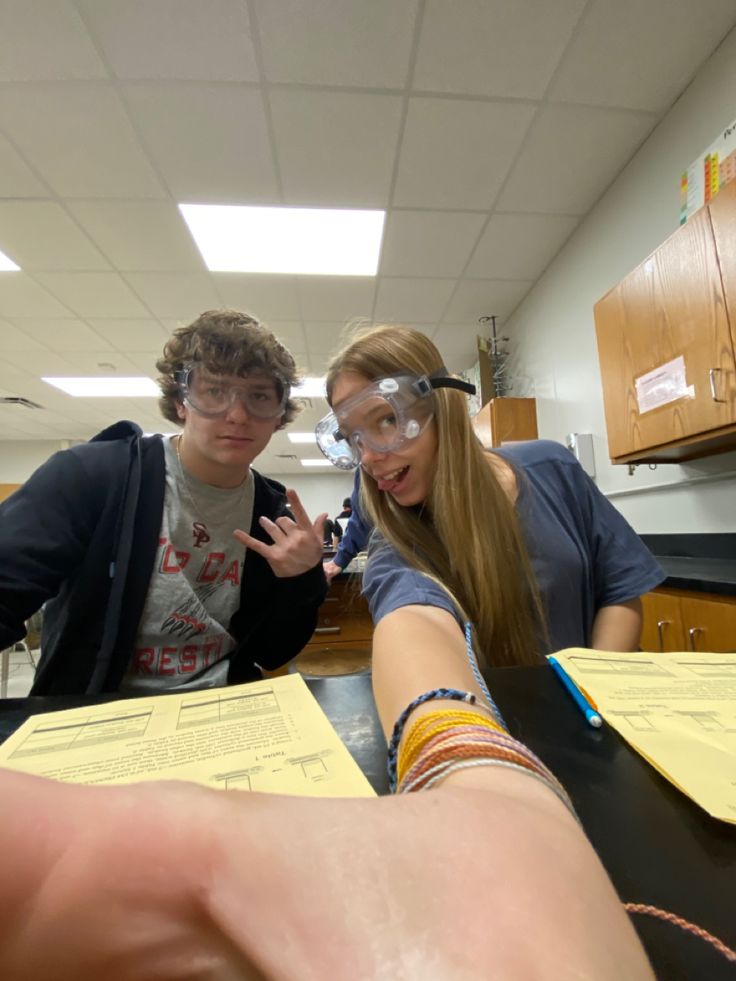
(181, 410)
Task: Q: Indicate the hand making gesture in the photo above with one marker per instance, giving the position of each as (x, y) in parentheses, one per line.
(297, 544)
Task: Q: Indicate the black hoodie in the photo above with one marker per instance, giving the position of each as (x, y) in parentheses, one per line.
(81, 535)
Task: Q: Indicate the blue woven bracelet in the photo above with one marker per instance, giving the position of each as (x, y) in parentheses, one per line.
(393, 747)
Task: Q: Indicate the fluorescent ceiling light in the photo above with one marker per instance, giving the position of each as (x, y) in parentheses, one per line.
(107, 387)
(7, 265)
(316, 463)
(301, 241)
(302, 437)
(310, 388)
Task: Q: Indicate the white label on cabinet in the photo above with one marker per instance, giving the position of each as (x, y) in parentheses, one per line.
(664, 384)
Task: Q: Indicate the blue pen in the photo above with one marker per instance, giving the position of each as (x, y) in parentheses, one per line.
(582, 703)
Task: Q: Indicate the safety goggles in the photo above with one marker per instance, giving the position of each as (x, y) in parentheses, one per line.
(382, 417)
(263, 395)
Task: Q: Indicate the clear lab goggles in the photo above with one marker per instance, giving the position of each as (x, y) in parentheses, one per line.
(263, 394)
(382, 417)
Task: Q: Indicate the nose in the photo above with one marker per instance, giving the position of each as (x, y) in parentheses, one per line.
(238, 410)
(369, 456)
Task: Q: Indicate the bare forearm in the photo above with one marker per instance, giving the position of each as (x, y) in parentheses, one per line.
(618, 628)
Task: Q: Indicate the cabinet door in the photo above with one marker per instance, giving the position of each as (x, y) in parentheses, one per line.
(672, 306)
(662, 628)
(710, 624)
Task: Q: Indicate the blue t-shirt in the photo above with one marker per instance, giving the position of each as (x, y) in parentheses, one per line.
(584, 553)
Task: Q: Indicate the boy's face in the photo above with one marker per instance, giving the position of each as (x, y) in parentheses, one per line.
(221, 448)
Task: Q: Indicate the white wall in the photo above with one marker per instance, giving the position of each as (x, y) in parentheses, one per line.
(19, 458)
(319, 492)
(553, 331)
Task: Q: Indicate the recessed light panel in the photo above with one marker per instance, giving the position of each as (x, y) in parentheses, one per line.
(310, 388)
(316, 463)
(7, 265)
(300, 241)
(302, 437)
(107, 387)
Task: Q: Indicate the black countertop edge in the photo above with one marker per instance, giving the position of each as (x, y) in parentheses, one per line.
(711, 545)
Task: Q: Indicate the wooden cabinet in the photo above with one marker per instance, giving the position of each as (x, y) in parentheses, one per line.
(681, 620)
(505, 420)
(666, 346)
(7, 489)
(344, 620)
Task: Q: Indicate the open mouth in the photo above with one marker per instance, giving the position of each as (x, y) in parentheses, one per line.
(393, 481)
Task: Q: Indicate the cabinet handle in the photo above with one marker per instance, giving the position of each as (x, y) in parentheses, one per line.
(327, 630)
(713, 391)
(661, 624)
(693, 633)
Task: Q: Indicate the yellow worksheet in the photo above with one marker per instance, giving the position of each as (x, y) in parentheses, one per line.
(269, 736)
(677, 710)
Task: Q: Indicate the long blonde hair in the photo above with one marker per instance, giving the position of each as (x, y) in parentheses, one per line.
(467, 536)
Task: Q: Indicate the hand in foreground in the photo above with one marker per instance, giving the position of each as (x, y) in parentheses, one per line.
(297, 545)
(331, 570)
(363, 890)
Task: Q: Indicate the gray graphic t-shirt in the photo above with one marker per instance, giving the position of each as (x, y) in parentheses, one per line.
(195, 585)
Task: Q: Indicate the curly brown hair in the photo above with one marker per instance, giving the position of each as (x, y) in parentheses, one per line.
(226, 342)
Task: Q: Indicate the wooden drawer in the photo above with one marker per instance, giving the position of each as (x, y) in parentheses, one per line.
(343, 618)
(683, 620)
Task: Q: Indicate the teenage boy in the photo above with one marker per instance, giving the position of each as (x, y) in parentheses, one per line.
(131, 541)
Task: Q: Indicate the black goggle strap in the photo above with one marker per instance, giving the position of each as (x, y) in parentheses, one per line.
(441, 379)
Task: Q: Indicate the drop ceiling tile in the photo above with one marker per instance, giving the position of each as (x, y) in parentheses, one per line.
(45, 39)
(507, 48)
(476, 298)
(144, 361)
(79, 139)
(210, 142)
(428, 243)
(64, 335)
(17, 180)
(131, 335)
(290, 333)
(456, 153)
(41, 235)
(640, 55)
(101, 364)
(267, 298)
(42, 363)
(351, 42)
(94, 294)
(572, 155)
(517, 246)
(174, 39)
(327, 145)
(340, 298)
(325, 337)
(14, 338)
(407, 300)
(139, 236)
(20, 296)
(184, 295)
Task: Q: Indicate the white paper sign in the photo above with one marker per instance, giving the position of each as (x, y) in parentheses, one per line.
(664, 384)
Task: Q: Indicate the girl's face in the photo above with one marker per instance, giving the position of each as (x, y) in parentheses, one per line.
(407, 474)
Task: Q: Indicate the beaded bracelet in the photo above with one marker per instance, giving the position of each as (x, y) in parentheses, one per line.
(453, 694)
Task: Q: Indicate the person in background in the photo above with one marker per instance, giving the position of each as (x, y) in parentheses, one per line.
(129, 539)
(517, 542)
(355, 537)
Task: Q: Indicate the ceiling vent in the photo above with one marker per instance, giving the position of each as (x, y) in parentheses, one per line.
(287, 456)
(19, 400)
